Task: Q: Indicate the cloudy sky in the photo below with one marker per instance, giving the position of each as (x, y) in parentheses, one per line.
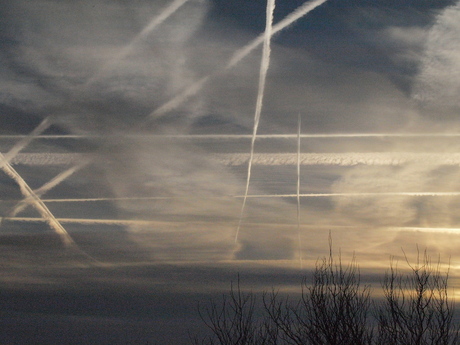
(127, 138)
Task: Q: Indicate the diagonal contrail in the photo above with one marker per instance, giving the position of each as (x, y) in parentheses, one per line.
(288, 20)
(298, 191)
(27, 192)
(239, 55)
(45, 188)
(167, 11)
(21, 144)
(264, 65)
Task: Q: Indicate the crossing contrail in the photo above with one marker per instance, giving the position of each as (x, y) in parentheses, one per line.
(235, 59)
(21, 144)
(264, 65)
(45, 188)
(288, 20)
(27, 192)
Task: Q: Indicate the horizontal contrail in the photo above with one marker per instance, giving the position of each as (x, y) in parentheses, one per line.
(255, 196)
(340, 159)
(47, 158)
(89, 221)
(235, 59)
(243, 136)
(273, 159)
(37, 202)
(420, 229)
(46, 187)
(25, 140)
(84, 221)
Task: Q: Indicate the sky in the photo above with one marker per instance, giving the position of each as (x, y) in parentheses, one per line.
(151, 151)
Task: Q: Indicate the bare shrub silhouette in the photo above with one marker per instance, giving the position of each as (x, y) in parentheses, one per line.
(417, 309)
(335, 308)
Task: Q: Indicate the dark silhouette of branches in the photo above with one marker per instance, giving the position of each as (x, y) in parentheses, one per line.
(417, 309)
(335, 308)
(233, 323)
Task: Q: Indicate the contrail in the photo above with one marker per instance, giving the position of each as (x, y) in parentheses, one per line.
(236, 58)
(340, 159)
(272, 159)
(264, 65)
(89, 221)
(416, 229)
(246, 136)
(20, 145)
(46, 187)
(288, 20)
(167, 11)
(347, 195)
(255, 196)
(179, 99)
(46, 158)
(298, 192)
(38, 204)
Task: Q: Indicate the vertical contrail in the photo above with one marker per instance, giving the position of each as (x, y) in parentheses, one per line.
(235, 59)
(27, 192)
(265, 63)
(45, 188)
(288, 20)
(21, 144)
(298, 192)
(167, 11)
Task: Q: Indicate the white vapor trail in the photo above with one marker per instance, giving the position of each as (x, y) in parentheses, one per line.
(37, 202)
(21, 144)
(288, 20)
(260, 196)
(298, 191)
(340, 159)
(46, 158)
(89, 221)
(179, 99)
(269, 159)
(166, 12)
(45, 188)
(347, 195)
(264, 65)
(246, 136)
(432, 230)
(236, 58)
